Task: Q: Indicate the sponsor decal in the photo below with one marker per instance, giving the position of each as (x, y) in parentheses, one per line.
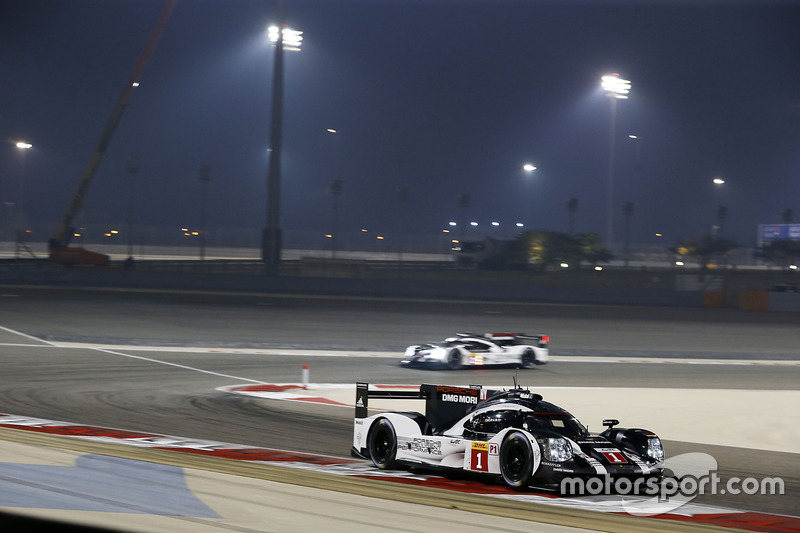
(612, 455)
(457, 390)
(431, 447)
(479, 456)
(459, 398)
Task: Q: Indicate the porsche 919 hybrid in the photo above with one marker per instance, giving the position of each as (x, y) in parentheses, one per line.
(513, 436)
(473, 350)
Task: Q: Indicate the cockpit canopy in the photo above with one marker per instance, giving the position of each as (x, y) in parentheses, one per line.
(489, 423)
(563, 424)
(483, 425)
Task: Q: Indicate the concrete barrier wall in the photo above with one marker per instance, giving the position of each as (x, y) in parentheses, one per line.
(366, 287)
(713, 299)
(754, 301)
(769, 301)
(784, 301)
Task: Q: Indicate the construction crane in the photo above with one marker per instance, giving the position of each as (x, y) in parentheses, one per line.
(60, 251)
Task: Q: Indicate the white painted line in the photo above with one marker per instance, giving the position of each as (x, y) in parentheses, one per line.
(673, 361)
(31, 337)
(179, 366)
(396, 355)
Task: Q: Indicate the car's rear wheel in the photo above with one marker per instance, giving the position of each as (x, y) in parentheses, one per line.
(453, 359)
(528, 358)
(382, 444)
(516, 460)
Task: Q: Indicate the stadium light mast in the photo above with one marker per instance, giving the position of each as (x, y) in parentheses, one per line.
(283, 39)
(616, 88)
(22, 147)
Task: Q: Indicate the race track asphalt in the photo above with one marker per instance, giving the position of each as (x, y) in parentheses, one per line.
(221, 335)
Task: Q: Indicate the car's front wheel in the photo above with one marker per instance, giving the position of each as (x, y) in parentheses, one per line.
(516, 460)
(382, 444)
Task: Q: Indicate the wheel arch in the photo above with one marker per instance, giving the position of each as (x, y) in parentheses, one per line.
(405, 424)
(536, 451)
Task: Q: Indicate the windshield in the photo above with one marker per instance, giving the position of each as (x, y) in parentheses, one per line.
(563, 424)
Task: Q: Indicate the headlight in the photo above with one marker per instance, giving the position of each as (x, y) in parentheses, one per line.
(556, 450)
(411, 350)
(655, 451)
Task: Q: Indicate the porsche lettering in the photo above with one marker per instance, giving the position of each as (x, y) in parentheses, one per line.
(431, 447)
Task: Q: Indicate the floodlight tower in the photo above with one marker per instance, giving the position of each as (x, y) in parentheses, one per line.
(284, 39)
(22, 147)
(616, 89)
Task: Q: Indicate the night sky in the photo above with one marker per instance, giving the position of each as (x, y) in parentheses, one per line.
(440, 97)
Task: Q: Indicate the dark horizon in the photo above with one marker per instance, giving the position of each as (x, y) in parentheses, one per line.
(439, 98)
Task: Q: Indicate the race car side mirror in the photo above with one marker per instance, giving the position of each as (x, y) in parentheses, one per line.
(610, 422)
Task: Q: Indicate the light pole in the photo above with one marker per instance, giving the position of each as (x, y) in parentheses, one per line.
(529, 169)
(336, 191)
(133, 167)
(627, 210)
(463, 203)
(616, 89)
(402, 197)
(284, 39)
(722, 211)
(204, 175)
(23, 147)
(572, 208)
(638, 176)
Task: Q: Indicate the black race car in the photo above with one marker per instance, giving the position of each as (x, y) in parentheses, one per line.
(513, 435)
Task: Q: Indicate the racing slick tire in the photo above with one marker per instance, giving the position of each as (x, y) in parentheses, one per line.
(453, 359)
(528, 359)
(516, 460)
(382, 444)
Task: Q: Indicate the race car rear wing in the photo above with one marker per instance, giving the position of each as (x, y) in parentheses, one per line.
(444, 405)
(519, 338)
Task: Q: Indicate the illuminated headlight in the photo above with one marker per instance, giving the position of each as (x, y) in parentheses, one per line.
(556, 450)
(411, 350)
(655, 451)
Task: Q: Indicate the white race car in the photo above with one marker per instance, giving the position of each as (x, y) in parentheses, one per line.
(469, 349)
